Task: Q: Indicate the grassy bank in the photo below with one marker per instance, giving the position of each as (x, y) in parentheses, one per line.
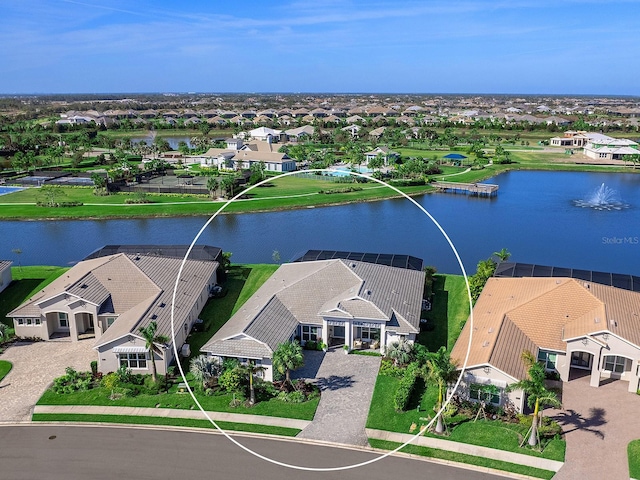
(5, 368)
(174, 422)
(462, 458)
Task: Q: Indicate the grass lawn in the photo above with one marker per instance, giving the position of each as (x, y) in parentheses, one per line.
(503, 436)
(176, 422)
(5, 367)
(633, 451)
(462, 458)
(26, 281)
(449, 311)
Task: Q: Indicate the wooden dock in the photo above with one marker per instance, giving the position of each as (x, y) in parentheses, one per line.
(476, 189)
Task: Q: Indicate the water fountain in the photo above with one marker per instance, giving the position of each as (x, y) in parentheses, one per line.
(603, 198)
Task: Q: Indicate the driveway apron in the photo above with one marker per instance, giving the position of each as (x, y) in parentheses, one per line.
(346, 383)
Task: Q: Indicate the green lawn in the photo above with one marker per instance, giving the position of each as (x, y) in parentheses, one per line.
(462, 458)
(5, 368)
(633, 451)
(176, 422)
(26, 281)
(449, 311)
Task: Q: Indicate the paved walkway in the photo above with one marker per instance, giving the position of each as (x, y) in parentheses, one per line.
(35, 365)
(468, 449)
(174, 413)
(347, 383)
(598, 424)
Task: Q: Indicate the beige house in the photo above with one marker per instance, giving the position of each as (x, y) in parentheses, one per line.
(574, 327)
(5, 274)
(337, 301)
(597, 145)
(109, 296)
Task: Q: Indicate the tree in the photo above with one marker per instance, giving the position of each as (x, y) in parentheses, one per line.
(212, 186)
(441, 370)
(18, 252)
(257, 169)
(288, 356)
(3, 330)
(250, 369)
(228, 183)
(151, 344)
(399, 351)
(205, 369)
(51, 194)
(100, 183)
(502, 255)
(537, 394)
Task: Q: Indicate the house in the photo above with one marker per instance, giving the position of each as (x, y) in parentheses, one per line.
(571, 325)
(5, 274)
(386, 153)
(300, 134)
(118, 289)
(604, 147)
(265, 134)
(337, 301)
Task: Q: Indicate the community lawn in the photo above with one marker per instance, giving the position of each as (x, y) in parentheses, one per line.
(5, 368)
(634, 459)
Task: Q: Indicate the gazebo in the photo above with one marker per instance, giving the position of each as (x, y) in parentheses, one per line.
(456, 158)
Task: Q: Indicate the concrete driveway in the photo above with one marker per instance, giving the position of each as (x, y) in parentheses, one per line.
(598, 423)
(35, 365)
(347, 383)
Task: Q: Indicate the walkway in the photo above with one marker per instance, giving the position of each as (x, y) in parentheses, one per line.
(35, 365)
(174, 413)
(347, 383)
(598, 424)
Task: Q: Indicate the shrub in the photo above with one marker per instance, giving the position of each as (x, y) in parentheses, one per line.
(94, 368)
(232, 380)
(388, 369)
(292, 397)
(72, 381)
(405, 388)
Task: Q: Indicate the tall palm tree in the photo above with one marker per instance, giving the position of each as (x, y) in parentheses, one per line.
(537, 394)
(441, 370)
(288, 356)
(152, 342)
(251, 369)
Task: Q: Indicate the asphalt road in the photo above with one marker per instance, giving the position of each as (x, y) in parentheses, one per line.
(79, 452)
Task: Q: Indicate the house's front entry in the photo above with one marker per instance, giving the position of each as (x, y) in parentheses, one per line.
(336, 335)
(581, 364)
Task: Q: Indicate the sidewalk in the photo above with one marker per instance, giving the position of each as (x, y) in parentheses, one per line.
(173, 413)
(468, 449)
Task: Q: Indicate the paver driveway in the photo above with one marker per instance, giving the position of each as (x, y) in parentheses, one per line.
(598, 423)
(35, 365)
(347, 383)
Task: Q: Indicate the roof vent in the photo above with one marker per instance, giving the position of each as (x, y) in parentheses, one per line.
(485, 344)
(596, 320)
(490, 330)
(162, 305)
(613, 322)
(587, 286)
(154, 316)
(367, 292)
(84, 285)
(352, 265)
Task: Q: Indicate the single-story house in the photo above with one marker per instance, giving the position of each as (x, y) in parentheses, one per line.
(336, 301)
(5, 274)
(265, 134)
(386, 153)
(300, 134)
(571, 325)
(118, 289)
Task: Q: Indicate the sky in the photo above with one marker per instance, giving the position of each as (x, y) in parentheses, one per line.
(323, 46)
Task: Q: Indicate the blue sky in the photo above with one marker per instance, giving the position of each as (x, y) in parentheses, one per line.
(439, 46)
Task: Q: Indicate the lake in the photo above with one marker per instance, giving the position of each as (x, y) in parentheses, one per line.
(534, 216)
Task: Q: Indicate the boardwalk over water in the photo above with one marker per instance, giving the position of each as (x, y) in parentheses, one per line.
(477, 189)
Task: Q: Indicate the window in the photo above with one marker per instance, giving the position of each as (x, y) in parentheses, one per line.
(367, 333)
(21, 321)
(485, 393)
(133, 360)
(614, 364)
(29, 321)
(36, 321)
(547, 359)
(64, 319)
(110, 321)
(310, 333)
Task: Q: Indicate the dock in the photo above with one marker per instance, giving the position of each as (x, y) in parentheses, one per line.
(475, 189)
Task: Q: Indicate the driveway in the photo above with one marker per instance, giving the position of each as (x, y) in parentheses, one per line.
(347, 383)
(598, 423)
(35, 365)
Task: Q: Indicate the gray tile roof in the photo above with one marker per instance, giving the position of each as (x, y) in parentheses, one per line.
(4, 264)
(239, 348)
(89, 288)
(301, 292)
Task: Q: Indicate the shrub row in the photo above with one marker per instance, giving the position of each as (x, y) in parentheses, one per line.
(341, 190)
(59, 204)
(405, 388)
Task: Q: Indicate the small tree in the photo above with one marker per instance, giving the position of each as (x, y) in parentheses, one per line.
(251, 369)
(100, 183)
(440, 370)
(151, 343)
(110, 382)
(399, 351)
(537, 394)
(212, 186)
(205, 369)
(3, 331)
(288, 356)
(502, 255)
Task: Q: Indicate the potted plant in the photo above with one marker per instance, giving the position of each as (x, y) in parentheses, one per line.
(346, 349)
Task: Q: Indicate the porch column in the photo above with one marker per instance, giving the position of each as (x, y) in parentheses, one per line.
(595, 369)
(383, 337)
(72, 320)
(634, 381)
(325, 333)
(348, 334)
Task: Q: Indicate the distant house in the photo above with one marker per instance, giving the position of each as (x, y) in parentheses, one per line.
(597, 145)
(386, 153)
(300, 134)
(337, 301)
(570, 325)
(352, 129)
(5, 274)
(115, 291)
(265, 134)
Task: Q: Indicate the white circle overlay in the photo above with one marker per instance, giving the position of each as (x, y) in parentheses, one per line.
(302, 467)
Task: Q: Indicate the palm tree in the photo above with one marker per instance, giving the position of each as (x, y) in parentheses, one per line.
(205, 369)
(399, 351)
(288, 356)
(441, 370)
(3, 330)
(251, 369)
(212, 186)
(537, 394)
(151, 344)
(503, 255)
